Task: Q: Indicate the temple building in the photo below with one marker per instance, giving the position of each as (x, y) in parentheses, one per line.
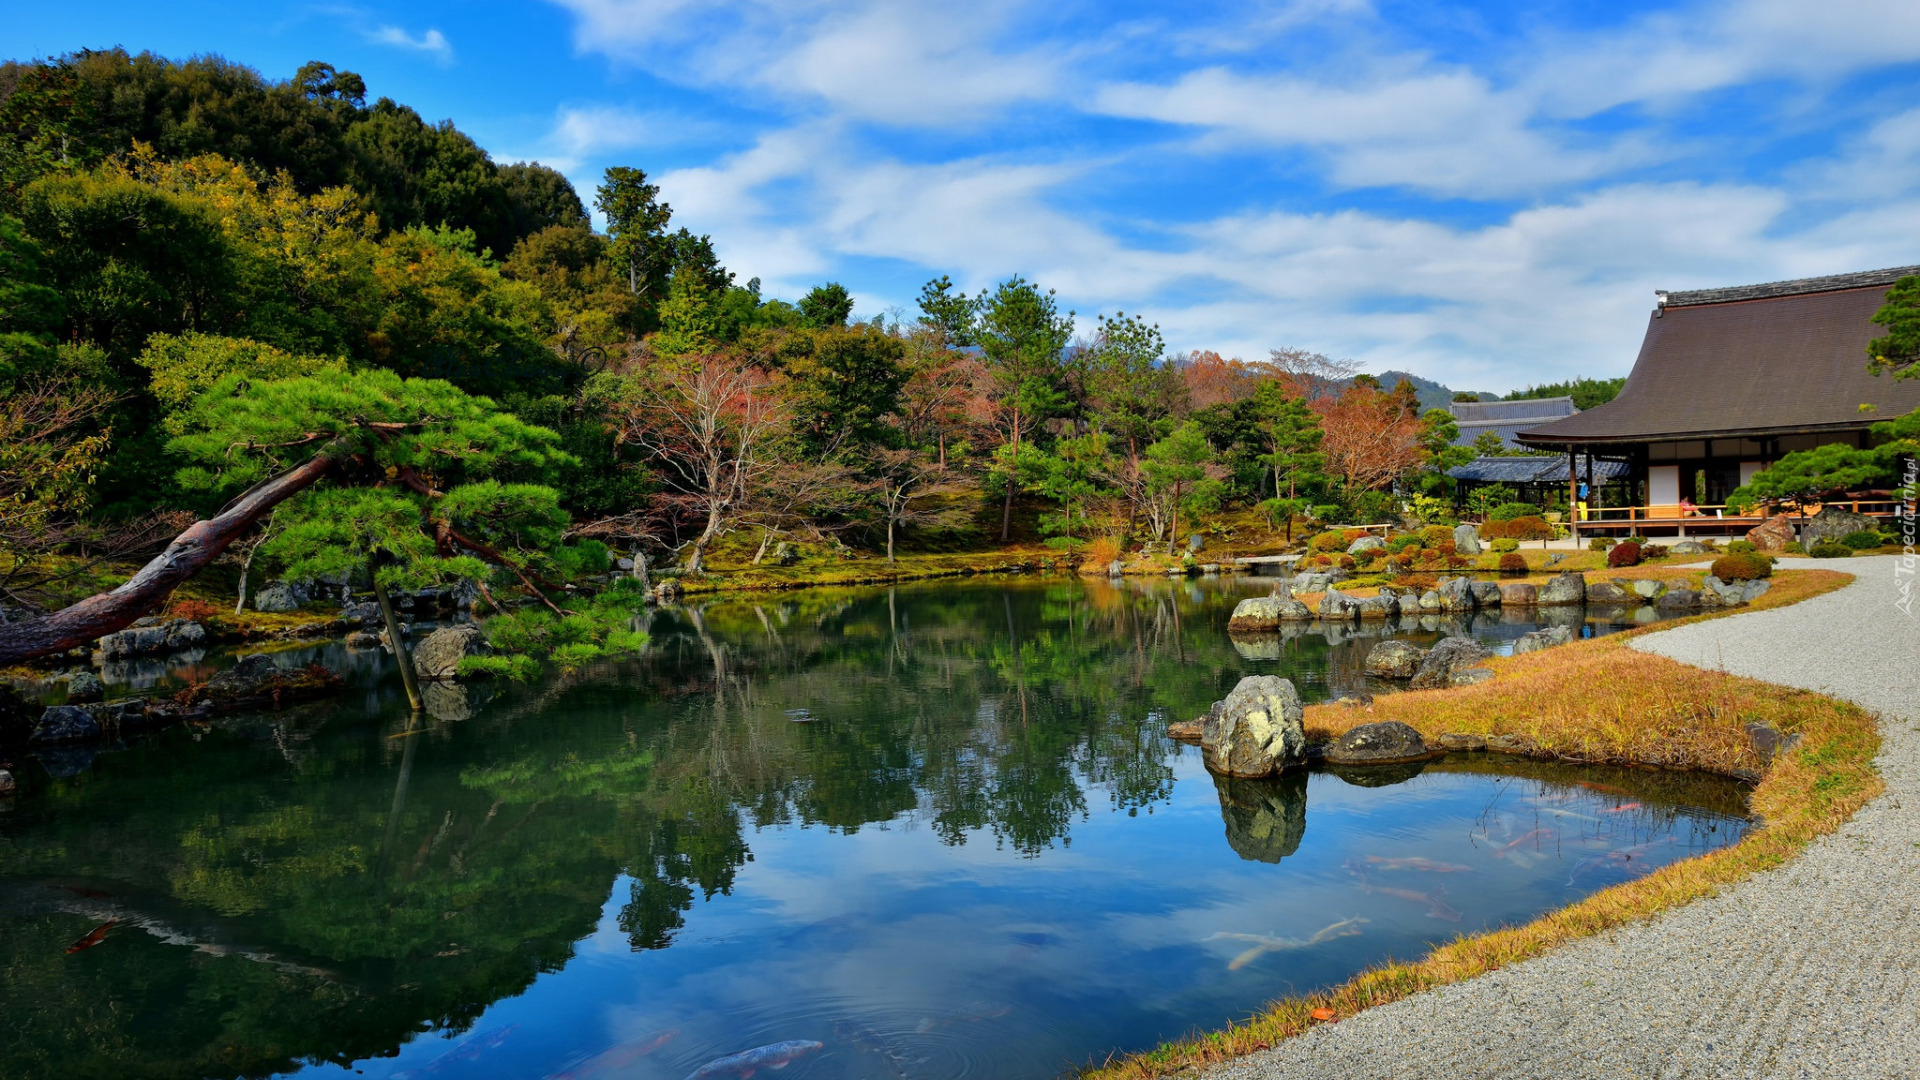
(1728, 381)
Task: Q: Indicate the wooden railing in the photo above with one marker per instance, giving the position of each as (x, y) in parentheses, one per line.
(1709, 516)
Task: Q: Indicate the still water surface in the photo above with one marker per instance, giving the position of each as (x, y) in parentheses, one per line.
(937, 830)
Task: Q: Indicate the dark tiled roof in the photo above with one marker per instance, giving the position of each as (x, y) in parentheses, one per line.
(1534, 470)
(1831, 283)
(1507, 432)
(1774, 366)
(1507, 412)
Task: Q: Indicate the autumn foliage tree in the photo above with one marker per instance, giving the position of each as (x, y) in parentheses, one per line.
(1371, 439)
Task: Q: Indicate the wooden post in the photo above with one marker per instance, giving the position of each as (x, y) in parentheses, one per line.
(1573, 496)
(394, 639)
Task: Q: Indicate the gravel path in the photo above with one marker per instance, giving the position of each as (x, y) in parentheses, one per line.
(1812, 970)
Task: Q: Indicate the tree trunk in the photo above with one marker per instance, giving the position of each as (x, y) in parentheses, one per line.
(766, 538)
(190, 552)
(394, 639)
(1013, 475)
(698, 565)
(889, 538)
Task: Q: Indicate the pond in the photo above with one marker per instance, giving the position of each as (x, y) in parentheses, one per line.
(937, 830)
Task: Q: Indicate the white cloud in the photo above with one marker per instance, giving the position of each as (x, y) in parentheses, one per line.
(432, 42)
(913, 65)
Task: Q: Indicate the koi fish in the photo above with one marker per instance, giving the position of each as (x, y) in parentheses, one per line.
(617, 1057)
(93, 937)
(1436, 907)
(1264, 944)
(470, 1048)
(1418, 863)
(1622, 808)
(1593, 861)
(1503, 852)
(747, 1062)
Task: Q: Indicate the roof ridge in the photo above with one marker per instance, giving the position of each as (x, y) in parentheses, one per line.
(1858, 279)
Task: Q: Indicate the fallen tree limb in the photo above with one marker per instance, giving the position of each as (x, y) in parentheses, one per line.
(146, 590)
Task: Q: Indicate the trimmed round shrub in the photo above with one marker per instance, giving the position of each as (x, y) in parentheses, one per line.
(1599, 543)
(1345, 561)
(1530, 527)
(1513, 563)
(1794, 547)
(1626, 553)
(1742, 566)
(1328, 542)
(1505, 544)
(1434, 534)
(1829, 550)
(1862, 540)
(1509, 511)
(1653, 551)
(1742, 547)
(1403, 543)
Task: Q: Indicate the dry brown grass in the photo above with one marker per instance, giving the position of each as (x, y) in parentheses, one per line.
(1597, 700)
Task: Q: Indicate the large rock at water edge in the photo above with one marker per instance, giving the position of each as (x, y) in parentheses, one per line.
(1832, 523)
(1385, 743)
(1256, 731)
(1544, 638)
(1567, 588)
(1366, 543)
(1466, 539)
(84, 687)
(1607, 592)
(1450, 663)
(1486, 594)
(65, 723)
(1773, 534)
(1678, 600)
(1518, 594)
(439, 656)
(1456, 594)
(1394, 660)
(1267, 613)
(1337, 606)
(173, 635)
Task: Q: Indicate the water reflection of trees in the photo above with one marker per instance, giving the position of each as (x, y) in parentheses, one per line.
(401, 873)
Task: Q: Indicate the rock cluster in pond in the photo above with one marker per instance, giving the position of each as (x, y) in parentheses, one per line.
(1267, 613)
(1563, 588)
(1453, 662)
(1518, 594)
(1388, 742)
(151, 637)
(1544, 638)
(1256, 731)
(1265, 819)
(438, 657)
(1608, 592)
(1394, 660)
(84, 687)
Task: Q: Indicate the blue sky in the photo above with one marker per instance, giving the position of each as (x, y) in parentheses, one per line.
(1487, 194)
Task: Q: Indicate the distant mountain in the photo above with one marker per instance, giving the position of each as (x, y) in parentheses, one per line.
(1433, 395)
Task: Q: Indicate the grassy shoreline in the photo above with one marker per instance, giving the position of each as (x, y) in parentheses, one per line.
(1600, 701)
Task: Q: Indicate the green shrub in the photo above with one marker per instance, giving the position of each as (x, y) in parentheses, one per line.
(1434, 534)
(1794, 547)
(1513, 563)
(1653, 551)
(1509, 511)
(1625, 553)
(1403, 543)
(1328, 542)
(1863, 540)
(1743, 566)
(1599, 543)
(1505, 544)
(1829, 550)
(1742, 547)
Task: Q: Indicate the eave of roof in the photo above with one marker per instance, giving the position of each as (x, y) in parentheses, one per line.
(1752, 367)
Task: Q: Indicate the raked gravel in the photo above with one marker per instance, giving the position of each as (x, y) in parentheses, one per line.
(1811, 970)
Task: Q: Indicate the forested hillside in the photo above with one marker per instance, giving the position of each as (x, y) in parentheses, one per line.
(210, 280)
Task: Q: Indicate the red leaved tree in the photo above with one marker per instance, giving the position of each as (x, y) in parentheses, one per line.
(713, 423)
(1370, 438)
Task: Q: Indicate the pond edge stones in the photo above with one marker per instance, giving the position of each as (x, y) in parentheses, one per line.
(1388, 742)
(1256, 731)
(1267, 613)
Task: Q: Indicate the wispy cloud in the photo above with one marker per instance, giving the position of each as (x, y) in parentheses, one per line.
(433, 42)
